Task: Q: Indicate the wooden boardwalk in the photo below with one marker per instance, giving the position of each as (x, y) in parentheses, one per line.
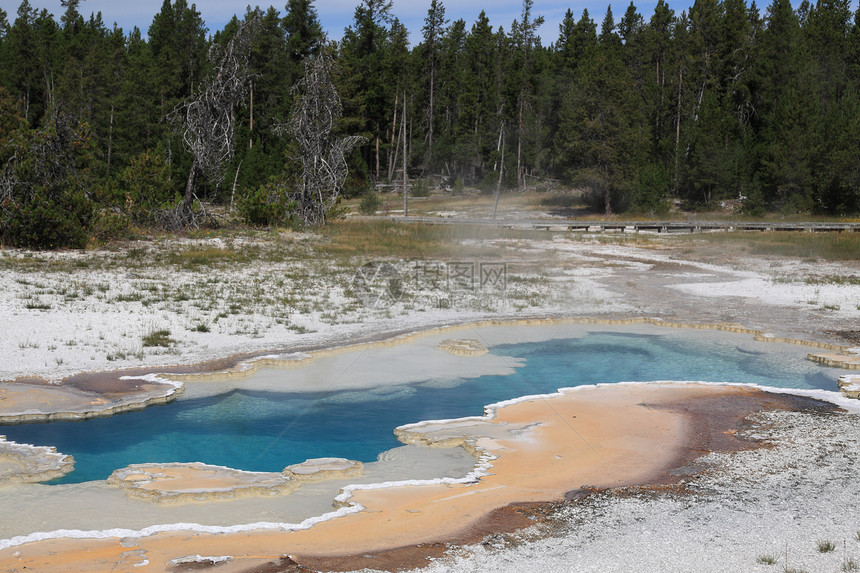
(657, 227)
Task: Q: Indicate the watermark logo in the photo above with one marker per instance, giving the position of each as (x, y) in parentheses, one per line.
(475, 285)
(377, 284)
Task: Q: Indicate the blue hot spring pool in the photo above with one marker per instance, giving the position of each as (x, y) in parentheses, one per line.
(266, 431)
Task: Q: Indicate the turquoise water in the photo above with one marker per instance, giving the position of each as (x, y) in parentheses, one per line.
(266, 431)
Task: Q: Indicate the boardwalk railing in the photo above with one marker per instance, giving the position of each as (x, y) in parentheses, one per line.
(637, 226)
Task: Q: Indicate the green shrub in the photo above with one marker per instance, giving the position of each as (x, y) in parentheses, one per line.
(45, 171)
(458, 187)
(267, 205)
(652, 190)
(143, 188)
(419, 188)
(754, 203)
(370, 203)
(110, 225)
(50, 218)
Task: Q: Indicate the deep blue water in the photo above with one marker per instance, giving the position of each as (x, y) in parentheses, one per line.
(264, 431)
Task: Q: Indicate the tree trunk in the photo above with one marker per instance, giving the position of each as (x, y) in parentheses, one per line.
(392, 156)
(251, 123)
(607, 196)
(235, 184)
(405, 172)
(678, 125)
(432, 87)
(110, 139)
(520, 144)
(185, 208)
(501, 170)
(660, 109)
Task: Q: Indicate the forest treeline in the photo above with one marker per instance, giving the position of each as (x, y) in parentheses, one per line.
(724, 101)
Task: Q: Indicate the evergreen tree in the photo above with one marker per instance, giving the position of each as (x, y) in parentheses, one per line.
(304, 35)
(177, 39)
(524, 41)
(434, 33)
(601, 139)
(138, 124)
(452, 145)
(789, 112)
(365, 83)
(837, 182)
(400, 63)
(712, 104)
(481, 102)
(660, 103)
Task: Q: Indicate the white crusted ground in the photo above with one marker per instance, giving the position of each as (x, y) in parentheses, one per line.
(71, 312)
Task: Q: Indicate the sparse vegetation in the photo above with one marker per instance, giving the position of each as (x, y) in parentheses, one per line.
(766, 559)
(825, 546)
(827, 246)
(386, 238)
(157, 338)
(833, 279)
(850, 564)
(370, 203)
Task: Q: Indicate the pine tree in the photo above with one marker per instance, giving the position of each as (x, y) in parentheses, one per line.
(789, 111)
(304, 35)
(177, 39)
(435, 27)
(481, 102)
(601, 139)
(453, 146)
(524, 41)
(660, 103)
(366, 80)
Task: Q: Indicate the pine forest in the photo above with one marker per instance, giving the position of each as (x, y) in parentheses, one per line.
(103, 130)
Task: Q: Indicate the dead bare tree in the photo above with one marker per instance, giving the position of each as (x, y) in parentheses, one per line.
(322, 153)
(206, 121)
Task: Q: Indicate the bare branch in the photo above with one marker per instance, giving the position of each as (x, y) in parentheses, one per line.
(322, 154)
(207, 120)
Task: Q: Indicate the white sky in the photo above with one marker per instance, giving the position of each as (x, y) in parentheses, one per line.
(335, 15)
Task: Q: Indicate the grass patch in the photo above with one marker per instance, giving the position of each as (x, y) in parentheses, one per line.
(562, 200)
(828, 246)
(382, 238)
(850, 564)
(825, 546)
(37, 306)
(158, 338)
(766, 559)
(129, 297)
(208, 257)
(201, 328)
(833, 279)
